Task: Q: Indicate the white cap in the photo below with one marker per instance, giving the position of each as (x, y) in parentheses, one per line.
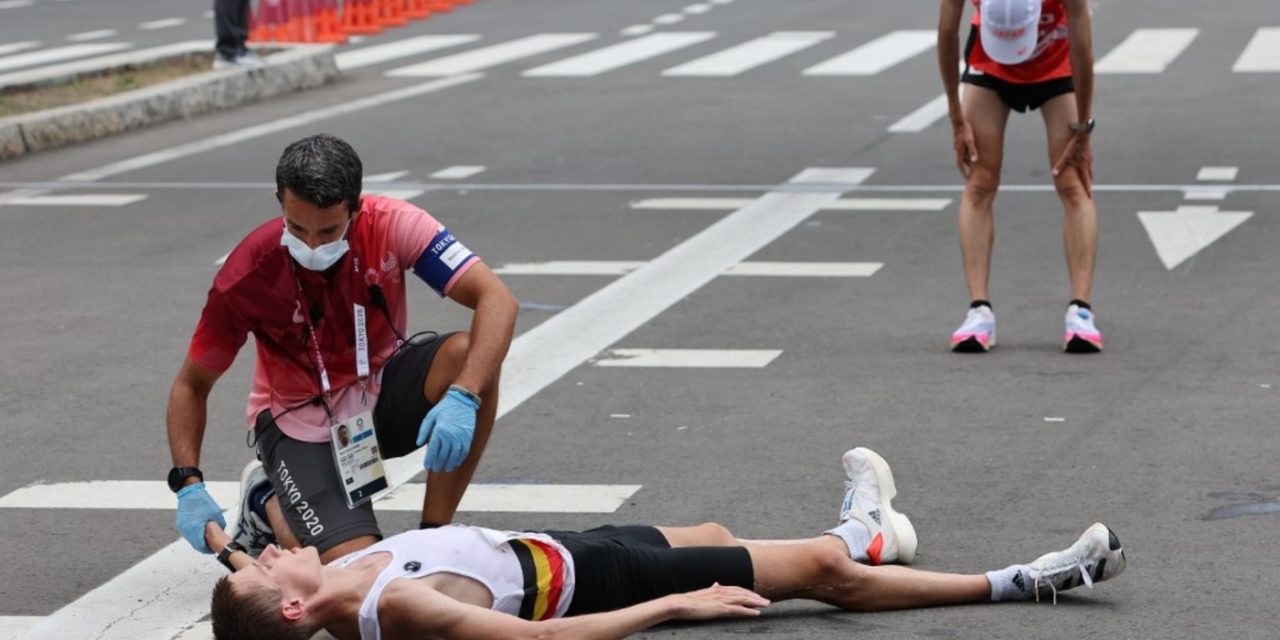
(1010, 29)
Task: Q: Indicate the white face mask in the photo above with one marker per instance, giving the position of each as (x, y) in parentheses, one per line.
(319, 258)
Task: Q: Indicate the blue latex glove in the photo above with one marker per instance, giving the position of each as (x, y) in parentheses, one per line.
(449, 427)
(195, 508)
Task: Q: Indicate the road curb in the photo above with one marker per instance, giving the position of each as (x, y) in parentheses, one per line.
(298, 68)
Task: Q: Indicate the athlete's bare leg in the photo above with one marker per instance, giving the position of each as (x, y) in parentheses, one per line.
(987, 116)
(444, 490)
(1080, 220)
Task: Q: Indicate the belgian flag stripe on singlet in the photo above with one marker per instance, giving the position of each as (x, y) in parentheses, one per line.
(543, 569)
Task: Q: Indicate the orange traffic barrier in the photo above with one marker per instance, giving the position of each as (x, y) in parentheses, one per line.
(325, 18)
(359, 18)
(391, 13)
(268, 21)
(441, 6)
(418, 9)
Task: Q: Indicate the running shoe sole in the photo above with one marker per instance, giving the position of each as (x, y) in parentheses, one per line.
(902, 526)
(1076, 343)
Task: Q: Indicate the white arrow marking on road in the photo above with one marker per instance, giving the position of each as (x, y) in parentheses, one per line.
(1178, 235)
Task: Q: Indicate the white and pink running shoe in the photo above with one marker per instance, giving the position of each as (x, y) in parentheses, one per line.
(1081, 336)
(978, 333)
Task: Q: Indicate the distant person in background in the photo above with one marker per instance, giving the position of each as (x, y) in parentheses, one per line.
(231, 25)
(1022, 54)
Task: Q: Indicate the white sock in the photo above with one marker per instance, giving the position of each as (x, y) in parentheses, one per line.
(856, 536)
(1011, 583)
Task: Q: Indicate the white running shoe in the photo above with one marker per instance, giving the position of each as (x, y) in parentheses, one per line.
(1081, 336)
(867, 495)
(978, 333)
(1095, 557)
(252, 534)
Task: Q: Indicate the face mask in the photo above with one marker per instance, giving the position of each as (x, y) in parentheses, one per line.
(319, 258)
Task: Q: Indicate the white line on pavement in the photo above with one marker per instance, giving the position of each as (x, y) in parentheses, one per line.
(636, 30)
(398, 194)
(13, 4)
(1262, 54)
(379, 53)
(162, 24)
(620, 55)
(1146, 51)
(623, 267)
(13, 627)
(668, 18)
(46, 56)
(750, 54)
(84, 36)
(458, 172)
(689, 358)
(922, 118)
(877, 55)
(1218, 174)
(78, 200)
(100, 63)
(843, 204)
(14, 47)
(1206, 193)
(485, 57)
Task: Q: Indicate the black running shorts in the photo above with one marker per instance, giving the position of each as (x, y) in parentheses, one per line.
(304, 475)
(617, 567)
(1018, 96)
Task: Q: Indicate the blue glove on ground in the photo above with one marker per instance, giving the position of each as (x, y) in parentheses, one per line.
(195, 508)
(449, 427)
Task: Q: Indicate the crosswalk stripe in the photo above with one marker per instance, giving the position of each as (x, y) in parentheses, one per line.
(399, 49)
(1146, 51)
(623, 267)
(620, 55)
(922, 118)
(842, 204)
(164, 23)
(14, 47)
(689, 358)
(1223, 174)
(1262, 54)
(84, 36)
(485, 57)
(479, 498)
(877, 55)
(458, 172)
(750, 55)
(13, 627)
(45, 56)
(78, 200)
(14, 4)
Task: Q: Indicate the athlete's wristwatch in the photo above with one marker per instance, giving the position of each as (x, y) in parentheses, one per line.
(178, 475)
(1082, 127)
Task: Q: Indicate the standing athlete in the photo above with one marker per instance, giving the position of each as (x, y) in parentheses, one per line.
(1022, 54)
(337, 385)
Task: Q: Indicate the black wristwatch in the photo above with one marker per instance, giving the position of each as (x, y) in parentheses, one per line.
(1082, 127)
(179, 474)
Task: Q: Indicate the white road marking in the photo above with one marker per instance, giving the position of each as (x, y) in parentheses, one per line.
(1205, 193)
(1262, 54)
(379, 53)
(1178, 235)
(14, 47)
(750, 55)
(458, 172)
(620, 415)
(85, 36)
(623, 267)
(13, 627)
(668, 18)
(1146, 51)
(386, 177)
(636, 30)
(99, 63)
(922, 118)
(877, 55)
(13, 4)
(266, 128)
(78, 200)
(843, 204)
(1219, 174)
(689, 358)
(399, 194)
(164, 23)
(1053, 419)
(620, 55)
(491, 56)
(696, 9)
(46, 56)
(479, 498)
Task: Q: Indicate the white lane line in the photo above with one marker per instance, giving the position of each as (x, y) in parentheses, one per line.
(842, 204)
(379, 53)
(623, 267)
(266, 128)
(13, 4)
(458, 172)
(688, 358)
(696, 9)
(386, 177)
(1146, 51)
(668, 18)
(491, 56)
(636, 30)
(78, 200)
(46, 56)
(13, 627)
(750, 55)
(1206, 193)
(479, 498)
(85, 36)
(398, 194)
(922, 118)
(877, 55)
(14, 47)
(164, 23)
(1218, 174)
(620, 55)
(100, 63)
(1262, 54)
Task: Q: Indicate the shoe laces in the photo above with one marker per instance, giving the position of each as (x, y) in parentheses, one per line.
(1075, 561)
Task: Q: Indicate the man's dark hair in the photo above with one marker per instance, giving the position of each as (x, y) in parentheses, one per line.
(321, 169)
(252, 613)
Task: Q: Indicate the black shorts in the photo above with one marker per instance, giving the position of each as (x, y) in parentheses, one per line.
(304, 475)
(617, 567)
(1018, 96)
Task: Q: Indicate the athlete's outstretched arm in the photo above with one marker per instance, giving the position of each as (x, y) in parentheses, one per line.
(412, 610)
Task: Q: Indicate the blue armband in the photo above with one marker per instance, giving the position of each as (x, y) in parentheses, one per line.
(442, 260)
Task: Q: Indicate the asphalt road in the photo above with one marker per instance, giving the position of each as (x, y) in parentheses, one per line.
(1168, 436)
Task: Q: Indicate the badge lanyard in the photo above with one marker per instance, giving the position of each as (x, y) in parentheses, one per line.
(362, 339)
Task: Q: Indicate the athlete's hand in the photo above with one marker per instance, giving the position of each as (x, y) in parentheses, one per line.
(718, 601)
(449, 427)
(966, 148)
(1079, 156)
(195, 508)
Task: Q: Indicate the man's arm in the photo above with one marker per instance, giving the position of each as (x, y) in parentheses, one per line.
(949, 65)
(1080, 34)
(409, 609)
(188, 399)
(492, 325)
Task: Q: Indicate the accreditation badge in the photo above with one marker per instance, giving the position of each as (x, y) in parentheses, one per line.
(359, 460)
